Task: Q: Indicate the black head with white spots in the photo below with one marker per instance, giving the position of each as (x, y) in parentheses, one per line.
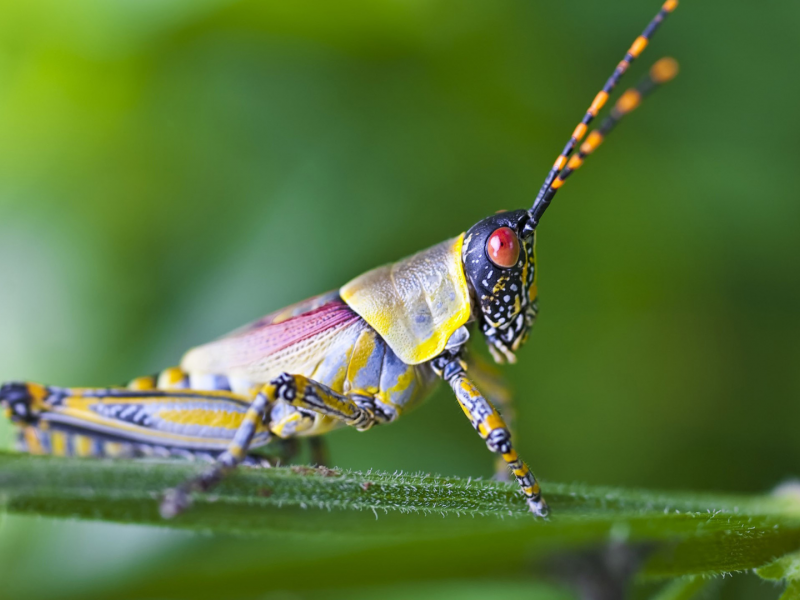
(501, 269)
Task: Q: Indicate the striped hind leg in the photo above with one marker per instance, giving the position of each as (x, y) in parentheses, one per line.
(26, 406)
(138, 421)
(43, 439)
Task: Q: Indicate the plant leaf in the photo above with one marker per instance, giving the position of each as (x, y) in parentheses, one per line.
(291, 521)
(787, 567)
(792, 591)
(684, 588)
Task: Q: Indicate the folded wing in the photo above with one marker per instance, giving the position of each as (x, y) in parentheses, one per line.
(294, 339)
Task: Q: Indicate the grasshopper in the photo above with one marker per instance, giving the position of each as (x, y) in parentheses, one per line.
(359, 356)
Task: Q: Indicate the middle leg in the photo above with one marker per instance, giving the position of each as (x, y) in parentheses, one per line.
(176, 500)
(353, 409)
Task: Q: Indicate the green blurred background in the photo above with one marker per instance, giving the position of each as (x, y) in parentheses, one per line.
(171, 169)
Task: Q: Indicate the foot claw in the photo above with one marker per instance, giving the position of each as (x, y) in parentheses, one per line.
(538, 507)
(174, 503)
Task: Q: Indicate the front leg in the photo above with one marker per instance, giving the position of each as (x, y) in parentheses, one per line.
(496, 390)
(491, 427)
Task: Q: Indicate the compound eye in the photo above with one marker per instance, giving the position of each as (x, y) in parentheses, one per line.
(503, 247)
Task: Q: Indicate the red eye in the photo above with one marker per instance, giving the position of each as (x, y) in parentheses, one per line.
(503, 247)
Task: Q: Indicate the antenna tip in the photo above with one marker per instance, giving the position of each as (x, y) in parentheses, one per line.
(670, 5)
(664, 70)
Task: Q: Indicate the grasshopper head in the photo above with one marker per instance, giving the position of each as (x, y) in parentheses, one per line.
(498, 252)
(500, 265)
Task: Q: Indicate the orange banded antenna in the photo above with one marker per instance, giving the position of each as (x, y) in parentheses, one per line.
(638, 46)
(663, 71)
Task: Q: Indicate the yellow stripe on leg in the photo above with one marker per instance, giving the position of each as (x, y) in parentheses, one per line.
(236, 451)
(58, 443)
(495, 421)
(112, 449)
(32, 440)
(83, 445)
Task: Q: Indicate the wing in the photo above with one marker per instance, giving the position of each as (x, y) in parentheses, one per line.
(288, 312)
(295, 339)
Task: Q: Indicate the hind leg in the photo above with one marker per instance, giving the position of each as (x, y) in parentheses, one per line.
(138, 421)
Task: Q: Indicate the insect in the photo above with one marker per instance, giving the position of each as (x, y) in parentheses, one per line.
(360, 356)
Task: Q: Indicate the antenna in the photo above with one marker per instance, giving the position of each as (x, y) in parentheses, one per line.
(638, 46)
(663, 71)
